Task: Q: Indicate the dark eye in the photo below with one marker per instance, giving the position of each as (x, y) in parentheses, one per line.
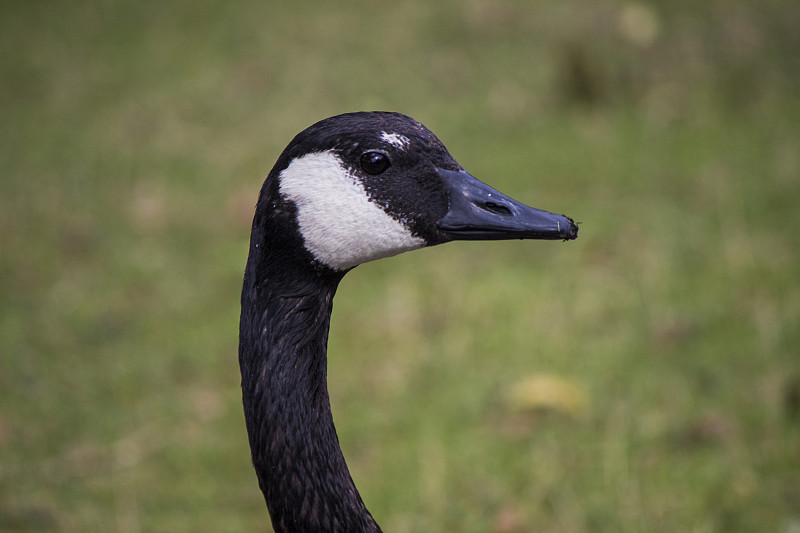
(375, 162)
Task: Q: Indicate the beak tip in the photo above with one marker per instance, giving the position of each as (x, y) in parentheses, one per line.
(570, 232)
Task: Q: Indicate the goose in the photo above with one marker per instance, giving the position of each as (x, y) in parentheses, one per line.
(349, 189)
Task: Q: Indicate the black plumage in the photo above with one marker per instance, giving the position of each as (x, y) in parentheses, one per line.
(287, 299)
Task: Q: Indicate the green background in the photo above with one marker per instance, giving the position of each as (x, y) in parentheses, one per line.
(134, 137)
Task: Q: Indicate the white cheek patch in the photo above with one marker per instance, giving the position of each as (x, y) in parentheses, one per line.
(340, 226)
(395, 139)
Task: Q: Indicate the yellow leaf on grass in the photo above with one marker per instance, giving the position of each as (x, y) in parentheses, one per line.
(547, 392)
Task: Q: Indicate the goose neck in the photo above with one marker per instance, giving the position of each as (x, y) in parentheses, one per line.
(283, 358)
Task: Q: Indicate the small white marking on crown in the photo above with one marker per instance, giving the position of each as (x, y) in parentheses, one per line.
(396, 140)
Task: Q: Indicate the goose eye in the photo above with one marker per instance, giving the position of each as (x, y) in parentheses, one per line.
(375, 162)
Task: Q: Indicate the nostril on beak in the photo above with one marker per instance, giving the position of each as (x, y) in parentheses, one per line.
(497, 208)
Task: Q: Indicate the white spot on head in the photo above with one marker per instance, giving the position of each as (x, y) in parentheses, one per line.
(339, 224)
(396, 140)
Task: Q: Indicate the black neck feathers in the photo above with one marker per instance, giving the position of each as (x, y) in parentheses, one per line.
(286, 308)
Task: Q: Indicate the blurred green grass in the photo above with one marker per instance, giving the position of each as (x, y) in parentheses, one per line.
(134, 140)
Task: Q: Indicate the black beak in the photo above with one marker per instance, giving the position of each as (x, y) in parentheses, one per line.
(478, 212)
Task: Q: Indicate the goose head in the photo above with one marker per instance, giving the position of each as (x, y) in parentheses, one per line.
(347, 190)
(362, 186)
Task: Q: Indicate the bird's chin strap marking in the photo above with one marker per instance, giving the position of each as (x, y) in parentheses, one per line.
(340, 224)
